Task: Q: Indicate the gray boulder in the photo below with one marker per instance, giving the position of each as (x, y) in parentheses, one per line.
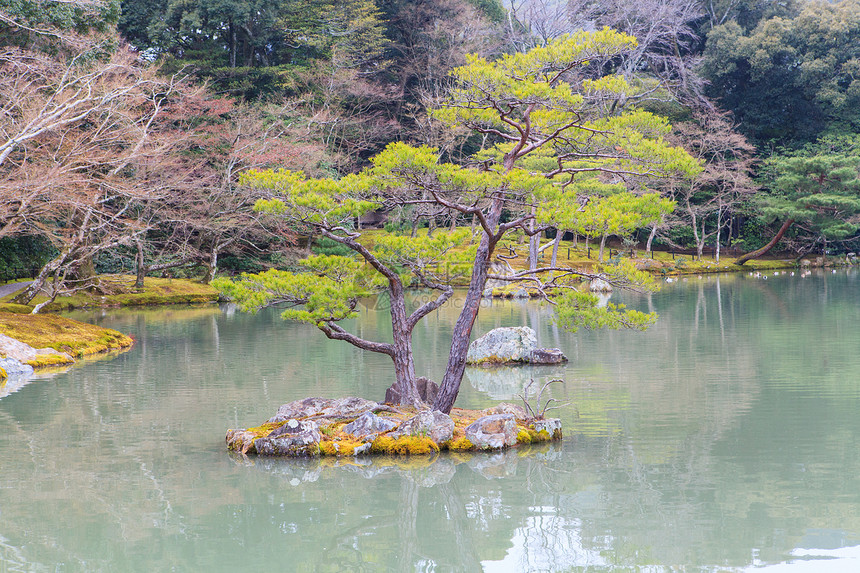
(502, 345)
(241, 441)
(493, 432)
(21, 352)
(552, 426)
(506, 408)
(427, 391)
(517, 344)
(294, 438)
(15, 368)
(547, 356)
(367, 424)
(435, 425)
(349, 407)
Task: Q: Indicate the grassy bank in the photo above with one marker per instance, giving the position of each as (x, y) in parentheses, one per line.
(70, 338)
(73, 339)
(119, 290)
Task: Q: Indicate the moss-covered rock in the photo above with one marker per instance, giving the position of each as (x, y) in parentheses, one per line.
(321, 430)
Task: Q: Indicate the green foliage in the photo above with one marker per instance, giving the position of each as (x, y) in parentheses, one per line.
(492, 9)
(788, 79)
(581, 310)
(821, 190)
(227, 34)
(325, 246)
(328, 292)
(618, 214)
(82, 17)
(22, 257)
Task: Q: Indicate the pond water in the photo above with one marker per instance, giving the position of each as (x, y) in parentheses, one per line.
(726, 438)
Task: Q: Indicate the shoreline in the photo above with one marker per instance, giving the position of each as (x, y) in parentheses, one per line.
(58, 349)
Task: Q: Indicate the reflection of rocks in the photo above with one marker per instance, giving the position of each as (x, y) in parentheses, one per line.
(495, 466)
(517, 344)
(505, 382)
(493, 432)
(441, 471)
(294, 470)
(425, 472)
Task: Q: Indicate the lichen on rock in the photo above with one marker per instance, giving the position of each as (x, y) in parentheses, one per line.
(350, 427)
(511, 345)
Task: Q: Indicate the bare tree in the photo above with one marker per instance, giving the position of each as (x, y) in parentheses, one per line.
(708, 202)
(77, 160)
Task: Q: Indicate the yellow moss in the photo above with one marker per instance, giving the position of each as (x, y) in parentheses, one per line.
(382, 445)
(543, 436)
(403, 445)
(119, 290)
(523, 437)
(60, 333)
(44, 360)
(460, 445)
(327, 448)
(264, 430)
(338, 447)
(3, 374)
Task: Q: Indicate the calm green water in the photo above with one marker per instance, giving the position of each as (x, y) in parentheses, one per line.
(725, 438)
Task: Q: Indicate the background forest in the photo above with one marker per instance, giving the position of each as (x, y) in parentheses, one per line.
(125, 125)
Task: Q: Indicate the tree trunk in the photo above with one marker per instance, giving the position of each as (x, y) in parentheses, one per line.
(232, 45)
(29, 293)
(759, 252)
(212, 267)
(534, 243)
(558, 235)
(602, 246)
(651, 236)
(404, 364)
(700, 244)
(56, 284)
(717, 249)
(141, 265)
(717, 234)
(84, 270)
(450, 386)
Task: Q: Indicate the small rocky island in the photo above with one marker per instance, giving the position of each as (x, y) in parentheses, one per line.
(353, 426)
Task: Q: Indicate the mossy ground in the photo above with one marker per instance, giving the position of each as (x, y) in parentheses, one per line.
(335, 442)
(119, 290)
(65, 335)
